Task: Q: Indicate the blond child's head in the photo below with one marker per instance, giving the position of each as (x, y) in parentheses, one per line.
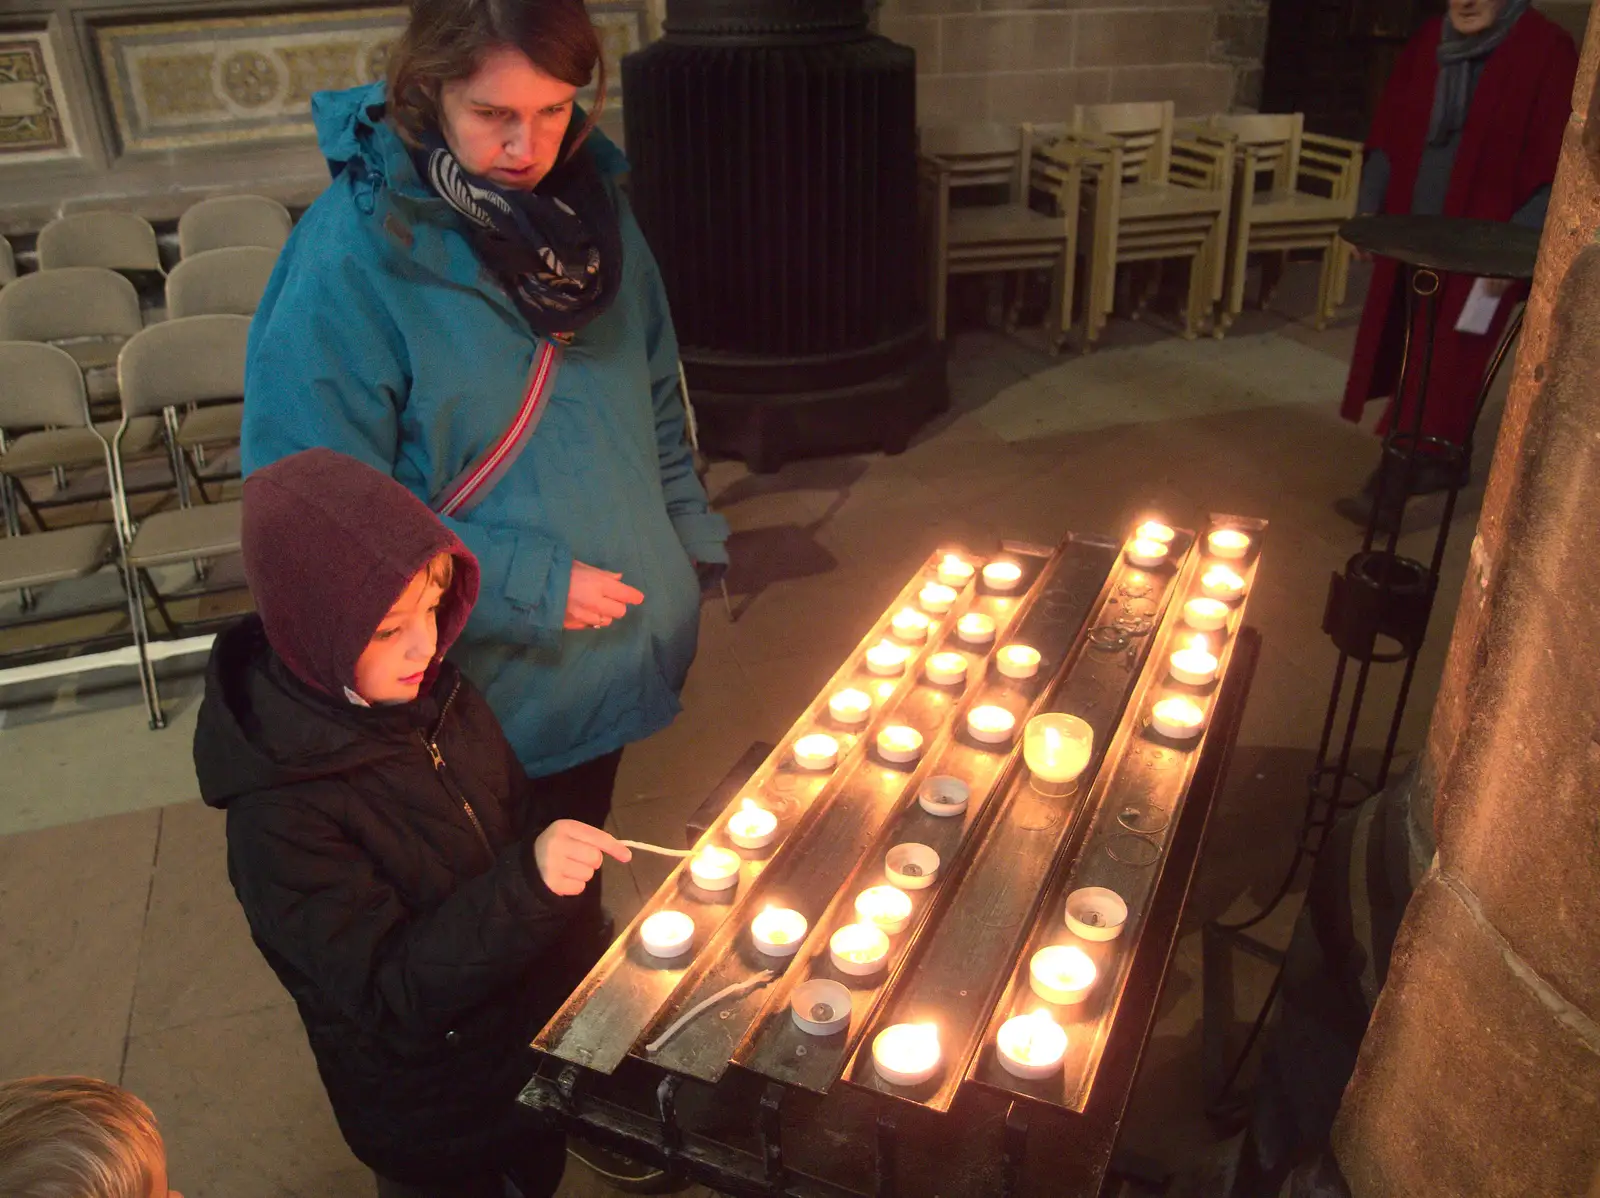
(78, 1137)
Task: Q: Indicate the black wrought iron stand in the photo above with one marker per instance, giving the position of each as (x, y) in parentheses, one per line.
(1379, 605)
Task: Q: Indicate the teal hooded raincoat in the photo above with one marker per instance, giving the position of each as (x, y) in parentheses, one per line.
(381, 335)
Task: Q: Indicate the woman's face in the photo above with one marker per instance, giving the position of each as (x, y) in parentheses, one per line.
(506, 121)
(1474, 16)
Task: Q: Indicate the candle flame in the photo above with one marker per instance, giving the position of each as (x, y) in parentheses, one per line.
(1199, 643)
(1052, 740)
(748, 805)
(885, 689)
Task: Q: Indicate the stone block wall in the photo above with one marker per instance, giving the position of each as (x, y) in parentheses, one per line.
(1032, 60)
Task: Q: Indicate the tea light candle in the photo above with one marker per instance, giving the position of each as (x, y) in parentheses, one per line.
(667, 934)
(1146, 553)
(1061, 974)
(858, 949)
(1179, 717)
(714, 868)
(1057, 747)
(936, 598)
(850, 706)
(1031, 1046)
(954, 571)
(817, 751)
(1219, 582)
(990, 724)
(1096, 913)
(778, 931)
(943, 795)
(752, 826)
(1002, 576)
(1228, 543)
(887, 658)
(945, 669)
(911, 866)
(1196, 665)
(1017, 661)
(820, 1007)
(906, 1054)
(909, 624)
(1154, 530)
(975, 628)
(1205, 615)
(899, 745)
(886, 907)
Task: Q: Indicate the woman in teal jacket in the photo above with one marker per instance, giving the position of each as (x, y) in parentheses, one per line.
(474, 215)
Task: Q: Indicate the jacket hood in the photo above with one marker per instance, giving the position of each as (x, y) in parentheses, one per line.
(329, 544)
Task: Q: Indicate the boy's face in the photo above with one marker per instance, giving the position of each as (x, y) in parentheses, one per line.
(391, 667)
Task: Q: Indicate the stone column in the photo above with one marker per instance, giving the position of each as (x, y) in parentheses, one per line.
(1480, 1073)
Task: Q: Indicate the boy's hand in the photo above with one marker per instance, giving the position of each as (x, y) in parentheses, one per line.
(569, 853)
(596, 597)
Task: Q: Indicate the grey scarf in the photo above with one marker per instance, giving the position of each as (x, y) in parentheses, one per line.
(1458, 52)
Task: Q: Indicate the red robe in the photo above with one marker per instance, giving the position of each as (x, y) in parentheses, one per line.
(1508, 151)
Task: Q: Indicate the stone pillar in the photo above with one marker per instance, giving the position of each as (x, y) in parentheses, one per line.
(1480, 1073)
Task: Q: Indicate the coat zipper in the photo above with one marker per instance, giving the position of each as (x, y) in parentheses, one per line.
(432, 745)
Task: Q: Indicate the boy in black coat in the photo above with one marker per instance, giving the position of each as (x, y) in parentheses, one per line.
(398, 872)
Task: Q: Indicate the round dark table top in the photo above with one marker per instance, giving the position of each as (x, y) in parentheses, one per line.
(1491, 248)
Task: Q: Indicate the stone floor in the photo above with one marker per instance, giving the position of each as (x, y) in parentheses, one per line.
(124, 955)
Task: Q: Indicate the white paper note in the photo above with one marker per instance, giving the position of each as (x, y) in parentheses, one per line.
(1477, 314)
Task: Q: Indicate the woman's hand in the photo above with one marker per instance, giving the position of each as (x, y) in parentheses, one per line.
(568, 853)
(596, 597)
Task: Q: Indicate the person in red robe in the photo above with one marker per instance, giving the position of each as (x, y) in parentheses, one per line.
(1469, 125)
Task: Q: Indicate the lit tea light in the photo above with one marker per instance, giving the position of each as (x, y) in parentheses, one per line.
(1146, 553)
(667, 934)
(884, 690)
(955, 571)
(936, 598)
(1228, 543)
(818, 751)
(1031, 1046)
(1179, 717)
(850, 706)
(906, 1054)
(1017, 661)
(1219, 582)
(1057, 748)
(990, 724)
(945, 669)
(1154, 530)
(1196, 665)
(1002, 576)
(885, 907)
(1062, 974)
(752, 826)
(909, 624)
(887, 658)
(820, 1007)
(899, 745)
(975, 628)
(859, 949)
(911, 866)
(943, 795)
(778, 931)
(1096, 913)
(714, 868)
(1205, 615)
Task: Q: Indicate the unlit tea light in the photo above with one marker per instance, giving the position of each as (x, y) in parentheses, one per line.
(943, 795)
(1228, 543)
(906, 1054)
(818, 751)
(850, 706)
(1205, 615)
(820, 1007)
(1195, 665)
(899, 744)
(752, 826)
(1061, 974)
(936, 598)
(909, 624)
(1031, 1046)
(1096, 913)
(859, 949)
(1179, 717)
(975, 628)
(990, 724)
(887, 658)
(714, 868)
(778, 931)
(955, 571)
(1154, 530)
(667, 934)
(1017, 661)
(1219, 582)
(885, 907)
(1147, 553)
(945, 669)
(1002, 576)
(911, 866)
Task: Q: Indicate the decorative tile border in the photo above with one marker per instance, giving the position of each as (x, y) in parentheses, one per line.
(34, 123)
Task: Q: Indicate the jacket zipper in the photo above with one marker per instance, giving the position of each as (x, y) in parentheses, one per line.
(432, 745)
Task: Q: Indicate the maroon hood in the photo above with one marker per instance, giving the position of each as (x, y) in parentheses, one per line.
(329, 544)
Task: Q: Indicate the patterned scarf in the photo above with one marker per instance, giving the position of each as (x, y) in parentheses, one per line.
(1452, 95)
(556, 249)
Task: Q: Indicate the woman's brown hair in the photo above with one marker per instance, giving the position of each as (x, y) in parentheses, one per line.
(445, 40)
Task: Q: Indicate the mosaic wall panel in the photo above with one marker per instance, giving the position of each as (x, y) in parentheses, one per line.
(34, 123)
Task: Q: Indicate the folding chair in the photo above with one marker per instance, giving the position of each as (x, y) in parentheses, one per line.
(8, 263)
(225, 281)
(233, 221)
(88, 311)
(118, 241)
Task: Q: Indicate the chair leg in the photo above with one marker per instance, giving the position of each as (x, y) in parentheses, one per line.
(141, 640)
(172, 626)
(1325, 284)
